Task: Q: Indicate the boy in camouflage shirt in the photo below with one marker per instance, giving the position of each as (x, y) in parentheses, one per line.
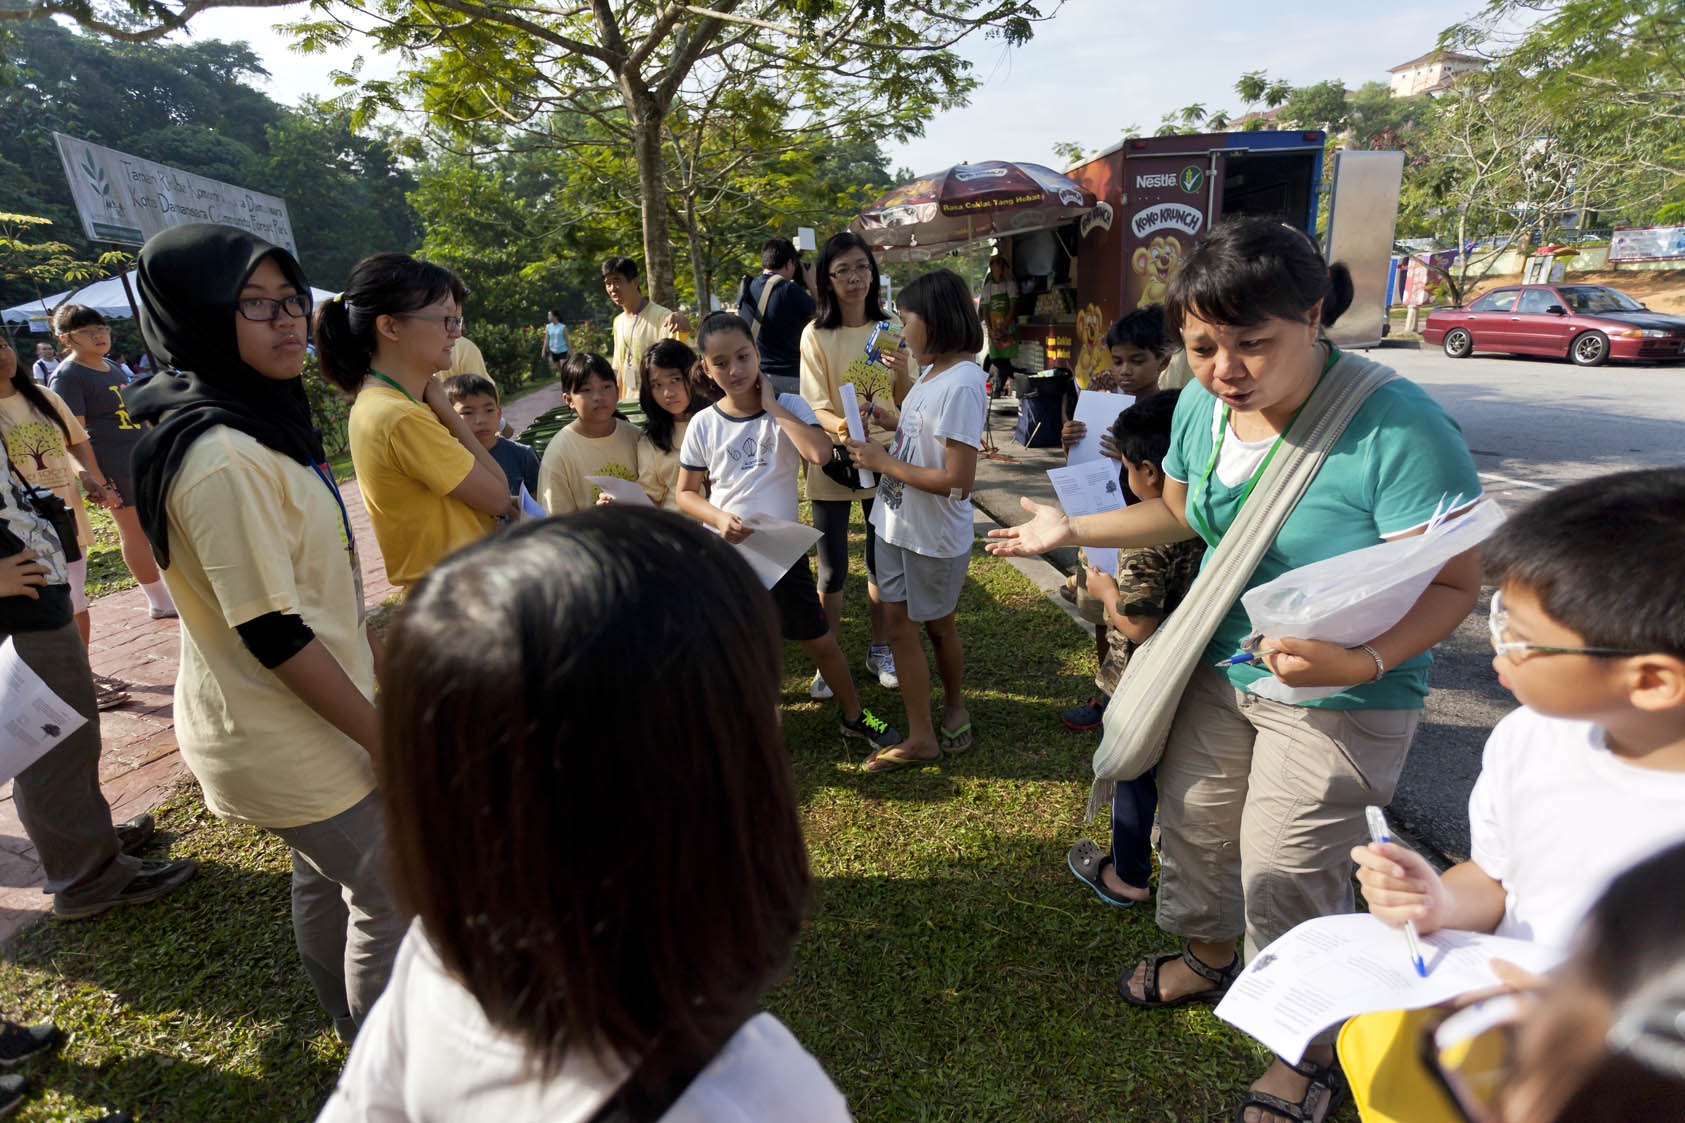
(1150, 583)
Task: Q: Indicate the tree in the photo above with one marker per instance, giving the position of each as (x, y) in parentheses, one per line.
(36, 440)
(643, 71)
(41, 265)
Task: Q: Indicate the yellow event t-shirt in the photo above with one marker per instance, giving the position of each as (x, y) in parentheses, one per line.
(254, 532)
(830, 358)
(562, 486)
(39, 449)
(658, 472)
(407, 465)
(633, 335)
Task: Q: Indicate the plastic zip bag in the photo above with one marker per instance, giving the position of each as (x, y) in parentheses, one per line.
(1351, 598)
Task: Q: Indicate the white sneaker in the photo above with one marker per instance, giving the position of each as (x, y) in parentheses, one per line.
(818, 688)
(881, 662)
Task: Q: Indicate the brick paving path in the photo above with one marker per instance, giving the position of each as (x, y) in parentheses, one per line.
(139, 762)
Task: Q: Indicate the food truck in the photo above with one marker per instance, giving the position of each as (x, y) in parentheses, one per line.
(1156, 195)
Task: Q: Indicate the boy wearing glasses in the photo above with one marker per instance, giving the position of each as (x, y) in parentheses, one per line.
(1587, 778)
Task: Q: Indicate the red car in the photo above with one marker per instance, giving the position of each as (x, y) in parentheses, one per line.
(1590, 324)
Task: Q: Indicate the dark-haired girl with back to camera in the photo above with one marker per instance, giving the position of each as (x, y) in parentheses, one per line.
(843, 345)
(429, 485)
(547, 975)
(274, 701)
(923, 512)
(1261, 800)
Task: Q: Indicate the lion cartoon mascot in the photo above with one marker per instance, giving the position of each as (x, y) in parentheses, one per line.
(1158, 261)
(1093, 362)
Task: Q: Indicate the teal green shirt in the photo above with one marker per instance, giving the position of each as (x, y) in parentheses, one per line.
(1401, 459)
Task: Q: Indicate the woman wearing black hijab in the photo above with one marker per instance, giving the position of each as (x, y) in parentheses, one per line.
(273, 703)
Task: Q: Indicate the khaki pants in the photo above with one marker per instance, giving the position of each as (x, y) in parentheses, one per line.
(1260, 804)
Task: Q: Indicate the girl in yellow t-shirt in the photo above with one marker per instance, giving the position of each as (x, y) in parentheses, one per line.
(429, 485)
(670, 392)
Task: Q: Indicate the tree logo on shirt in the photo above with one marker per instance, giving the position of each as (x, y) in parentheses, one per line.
(36, 440)
(618, 471)
(870, 379)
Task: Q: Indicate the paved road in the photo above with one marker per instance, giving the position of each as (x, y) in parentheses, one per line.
(1532, 424)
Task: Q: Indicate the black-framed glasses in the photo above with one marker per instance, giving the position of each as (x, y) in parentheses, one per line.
(266, 310)
(1498, 622)
(451, 323)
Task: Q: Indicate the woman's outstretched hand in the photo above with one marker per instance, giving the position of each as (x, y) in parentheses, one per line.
(1048, 529)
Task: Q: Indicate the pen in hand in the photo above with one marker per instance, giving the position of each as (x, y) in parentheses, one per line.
(1242, 658)
(1379, 833)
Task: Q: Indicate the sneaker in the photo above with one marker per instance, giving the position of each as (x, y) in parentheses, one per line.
(152, 881)
(818, 688)
(1087, 716)
(136, 833)
(19, 1043)
(869, 727)
(162, 613)
(881, 662)
(13, 1089)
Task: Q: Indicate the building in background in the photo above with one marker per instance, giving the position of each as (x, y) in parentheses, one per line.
(1431, 73)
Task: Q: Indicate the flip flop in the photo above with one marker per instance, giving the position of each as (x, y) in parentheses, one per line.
(893, 759)
(955, 741)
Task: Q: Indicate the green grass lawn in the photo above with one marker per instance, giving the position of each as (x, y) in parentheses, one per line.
(953, 969)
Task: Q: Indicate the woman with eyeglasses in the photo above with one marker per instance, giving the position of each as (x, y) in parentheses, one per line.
(850, 340)
(429, 485)
(274, 703)
(94, 388)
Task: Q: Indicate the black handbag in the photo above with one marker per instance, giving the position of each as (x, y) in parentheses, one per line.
(840, 469)
(43, 502)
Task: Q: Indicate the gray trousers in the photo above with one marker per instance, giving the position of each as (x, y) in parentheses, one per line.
(58, 798)
(345, 921)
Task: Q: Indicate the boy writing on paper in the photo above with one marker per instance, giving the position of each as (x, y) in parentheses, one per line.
(1587, 778)
(1150, 582)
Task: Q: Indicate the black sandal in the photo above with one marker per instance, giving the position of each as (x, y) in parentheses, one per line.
(1322, 1096)
(1221, 979)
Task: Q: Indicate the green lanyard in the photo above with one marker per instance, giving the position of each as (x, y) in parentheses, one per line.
(376, 374)
(1201, 491)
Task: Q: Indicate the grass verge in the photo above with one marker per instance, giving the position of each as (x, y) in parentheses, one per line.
(952, 969)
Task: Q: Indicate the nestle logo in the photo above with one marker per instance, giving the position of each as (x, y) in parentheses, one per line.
(1156, 179)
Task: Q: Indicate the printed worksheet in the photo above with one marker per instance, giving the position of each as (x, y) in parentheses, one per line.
(774, 546)
(622, 491)
(1090, 489)
(35, 719)
(1098, 410)
(1332, 968)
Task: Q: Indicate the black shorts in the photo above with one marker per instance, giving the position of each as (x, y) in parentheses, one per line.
(124, 483)
(800, 615)
(558, 356)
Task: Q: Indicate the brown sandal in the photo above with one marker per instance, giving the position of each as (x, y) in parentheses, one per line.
(1220, 978)
(109, 693)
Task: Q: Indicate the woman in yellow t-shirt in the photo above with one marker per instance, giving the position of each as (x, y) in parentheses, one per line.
(429, 485)
(274, 706)
(848, 342)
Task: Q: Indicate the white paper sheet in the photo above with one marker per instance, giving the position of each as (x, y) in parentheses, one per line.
(530, 507)
(1329, 969)
(622, 491)
(857, 430)
(774, 546)
(1090, 489)
(1096, 409)
(35, 719)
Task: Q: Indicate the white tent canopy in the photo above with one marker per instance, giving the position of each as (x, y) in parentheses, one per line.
(105, 297)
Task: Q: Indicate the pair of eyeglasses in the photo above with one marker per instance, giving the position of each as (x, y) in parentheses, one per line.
(96, 329)
(451, 323)
(1498, 621)
(266, 310)
(847, 272)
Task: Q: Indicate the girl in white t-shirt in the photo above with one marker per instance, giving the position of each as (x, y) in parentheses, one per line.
(603, 888)
(923, 512)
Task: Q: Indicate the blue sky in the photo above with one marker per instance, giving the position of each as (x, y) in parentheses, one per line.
(1098, 67)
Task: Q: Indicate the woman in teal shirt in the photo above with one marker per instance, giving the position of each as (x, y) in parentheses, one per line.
(1261, 801)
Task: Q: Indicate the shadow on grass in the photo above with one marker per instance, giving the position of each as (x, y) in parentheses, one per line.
(192, 1007)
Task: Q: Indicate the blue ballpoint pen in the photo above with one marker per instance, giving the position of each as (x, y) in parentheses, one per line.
(1242, 658)
(1378, 833)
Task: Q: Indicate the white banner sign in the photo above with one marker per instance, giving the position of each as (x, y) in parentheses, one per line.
(1647, 243)
(123, 198)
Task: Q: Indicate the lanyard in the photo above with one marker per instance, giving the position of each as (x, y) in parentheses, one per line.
(376, 374)
(350, 540)
(1200, 493)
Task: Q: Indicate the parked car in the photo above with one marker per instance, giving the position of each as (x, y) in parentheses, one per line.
(1590, 324)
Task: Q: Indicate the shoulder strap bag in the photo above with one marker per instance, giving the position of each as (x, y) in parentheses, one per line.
(772, 280)
(1137, 721)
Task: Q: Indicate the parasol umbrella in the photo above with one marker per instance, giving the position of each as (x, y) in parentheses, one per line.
(936, 214)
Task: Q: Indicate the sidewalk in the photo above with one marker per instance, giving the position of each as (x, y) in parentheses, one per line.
(139, 763)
